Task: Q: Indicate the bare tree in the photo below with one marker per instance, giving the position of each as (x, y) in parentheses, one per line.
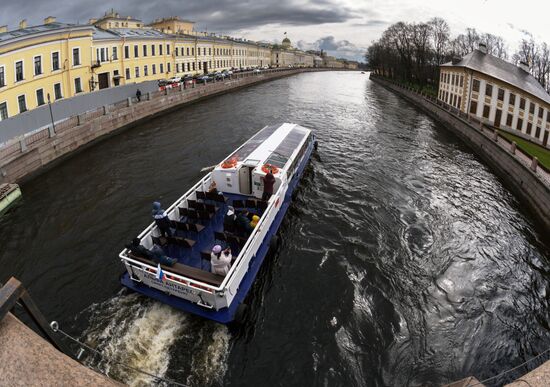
(440, 34)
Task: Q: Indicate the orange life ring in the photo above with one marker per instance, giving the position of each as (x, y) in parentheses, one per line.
(268, 167)
(231, 163)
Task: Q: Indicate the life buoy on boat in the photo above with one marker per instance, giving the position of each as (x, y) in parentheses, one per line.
(231, 163)
(268, 167)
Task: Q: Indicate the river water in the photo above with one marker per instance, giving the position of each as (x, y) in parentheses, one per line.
(403, 259)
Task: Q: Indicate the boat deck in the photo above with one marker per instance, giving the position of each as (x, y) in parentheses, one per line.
(209, 232)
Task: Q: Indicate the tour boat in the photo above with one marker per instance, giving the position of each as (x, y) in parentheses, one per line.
(197, 220)
(9, 193)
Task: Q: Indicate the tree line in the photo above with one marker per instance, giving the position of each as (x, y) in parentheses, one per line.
(412, 52)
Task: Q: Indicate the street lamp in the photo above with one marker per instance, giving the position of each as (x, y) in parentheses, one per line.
(51, 112)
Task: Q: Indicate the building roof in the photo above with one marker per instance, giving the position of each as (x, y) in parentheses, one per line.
(45, 28)
(138, 33)
(502, 70)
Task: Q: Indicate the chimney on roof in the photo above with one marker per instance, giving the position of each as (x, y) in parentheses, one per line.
(524, 66)
(23, 24)
(49, 20)
(483, 48)
(3, 29)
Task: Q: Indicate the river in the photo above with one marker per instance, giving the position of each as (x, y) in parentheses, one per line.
(403, 259)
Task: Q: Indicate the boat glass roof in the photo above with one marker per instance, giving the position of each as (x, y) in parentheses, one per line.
(282, 153)
(250, 146)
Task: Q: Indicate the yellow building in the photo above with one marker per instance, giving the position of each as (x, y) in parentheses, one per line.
(497, 93)
(58, 60)
(50, 60)
(130, 55)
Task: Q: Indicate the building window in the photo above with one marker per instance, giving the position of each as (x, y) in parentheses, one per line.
(55, 61)
(115, 53)
(486, 111)
(500, 94)
(168, 67)
(76, 56)
(522, 103)
(177, 51)
(476, 85)
(77, 85)
(126, 52)
(537, 132)
(187, 51)
(193, 66)
(3, 111)
(40, 97)
(519, 124)
(18, 71)
(144, 50)
(473, 107)
(57, 91)
(210, 51)
(136, 51)
(512, 100)
(153, 50)
(22, 103)
(531, 108)
(452, 79)
(167, 49)
(193, 51)
(161, 68)
(136, 71)
(37, 65)
(529, 127)
(160, 49)
(541, 111)
(127, 73)
(459, 102)
(145, 71)
(2, 77)
(461, 80)
(154, 68)
(488, 90)
(509, 119)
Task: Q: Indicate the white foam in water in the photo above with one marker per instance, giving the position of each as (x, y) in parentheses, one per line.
(140, 333)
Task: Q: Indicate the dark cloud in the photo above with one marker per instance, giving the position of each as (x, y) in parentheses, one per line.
(338, 48)
(218, 16)
(371, 23)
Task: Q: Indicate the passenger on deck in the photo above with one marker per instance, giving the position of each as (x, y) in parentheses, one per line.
(155, 254)
(138, 250)
(213, 187)
(159, 257)
(230, 217)
(269, 182)
(220, 261)
(161, 219)
(243, 223)
(254, 221)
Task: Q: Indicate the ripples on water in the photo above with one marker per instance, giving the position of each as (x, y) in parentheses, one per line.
(404, 261)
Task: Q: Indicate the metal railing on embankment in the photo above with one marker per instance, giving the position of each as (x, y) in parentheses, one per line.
(528, 161)
(90, 124)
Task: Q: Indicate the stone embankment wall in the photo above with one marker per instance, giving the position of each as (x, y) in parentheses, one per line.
(522, 174)
(23, 157)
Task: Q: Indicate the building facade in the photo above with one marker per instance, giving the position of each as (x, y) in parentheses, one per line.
(58, 60)
(497, 93)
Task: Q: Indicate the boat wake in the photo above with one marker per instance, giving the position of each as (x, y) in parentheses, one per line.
(144, 334)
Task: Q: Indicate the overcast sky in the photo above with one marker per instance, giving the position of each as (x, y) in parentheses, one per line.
(344, 28)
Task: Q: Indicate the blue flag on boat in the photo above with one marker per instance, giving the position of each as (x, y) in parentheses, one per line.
(160, 274)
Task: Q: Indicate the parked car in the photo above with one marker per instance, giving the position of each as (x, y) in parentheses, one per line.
(219, 76)
(257, 71)
(174, 80)
(204, 78)
(228, 72)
